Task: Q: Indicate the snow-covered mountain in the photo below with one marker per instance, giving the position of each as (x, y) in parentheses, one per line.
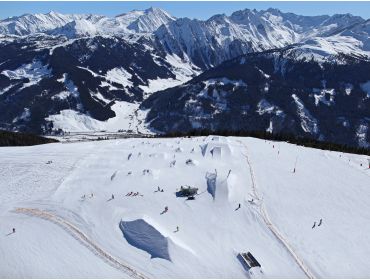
(58, 198)
(276, 91)
(222, 37)
(69, 72)
(76, 25)
(36, 23)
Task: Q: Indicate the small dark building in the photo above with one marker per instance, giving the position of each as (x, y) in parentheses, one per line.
(248, 260)
(187, 191)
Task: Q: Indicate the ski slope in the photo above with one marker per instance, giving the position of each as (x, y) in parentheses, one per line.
(69, 226)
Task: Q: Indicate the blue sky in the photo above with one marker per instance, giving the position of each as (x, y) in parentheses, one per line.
(198, 9)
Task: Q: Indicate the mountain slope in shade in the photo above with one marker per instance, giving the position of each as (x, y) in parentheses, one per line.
(76, 75)
(275, 91)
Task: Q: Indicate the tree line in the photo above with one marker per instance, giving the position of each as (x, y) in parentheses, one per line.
(8, 138)
(286, 137)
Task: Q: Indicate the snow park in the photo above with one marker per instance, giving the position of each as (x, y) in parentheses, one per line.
(197, 207)
(184, 139)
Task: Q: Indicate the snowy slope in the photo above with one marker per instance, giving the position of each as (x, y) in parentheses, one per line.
(326, 185)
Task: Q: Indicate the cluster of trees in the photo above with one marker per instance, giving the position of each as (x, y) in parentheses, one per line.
(8, 138)
(290, 138)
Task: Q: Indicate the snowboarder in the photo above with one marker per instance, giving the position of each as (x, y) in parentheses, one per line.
(165, 210)
(162, 190)
(320, 223)
(13, 230)
(314, 224)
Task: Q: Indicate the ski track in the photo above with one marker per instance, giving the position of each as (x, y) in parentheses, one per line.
(83, 239)
(262, 211)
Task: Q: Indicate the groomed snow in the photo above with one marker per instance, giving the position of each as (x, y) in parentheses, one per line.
(78, 183)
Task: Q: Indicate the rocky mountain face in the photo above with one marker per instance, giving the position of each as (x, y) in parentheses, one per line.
(299, 68)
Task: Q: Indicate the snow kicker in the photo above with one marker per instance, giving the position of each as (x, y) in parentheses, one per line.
(85, 240)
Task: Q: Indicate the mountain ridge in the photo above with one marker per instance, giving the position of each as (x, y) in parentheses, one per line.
(93, 72)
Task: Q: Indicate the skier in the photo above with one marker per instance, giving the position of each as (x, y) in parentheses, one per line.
(314, 224)
(162, 190)
(238, 207)
(166, 208)
(177, 229)
(320, 223)
(13, 230)
(112, 196)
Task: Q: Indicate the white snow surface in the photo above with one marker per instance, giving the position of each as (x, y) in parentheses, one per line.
(33, 71)
(128, 118)
(327, 185)
(80, 25)
(120, 76)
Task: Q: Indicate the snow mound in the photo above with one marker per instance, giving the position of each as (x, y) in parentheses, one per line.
(143, 236)
(216, 150)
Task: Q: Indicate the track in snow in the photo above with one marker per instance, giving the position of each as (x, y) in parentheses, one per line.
(270, 225)
(85, 240)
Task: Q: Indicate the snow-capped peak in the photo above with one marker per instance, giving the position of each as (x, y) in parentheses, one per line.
(136, 21)
(35, 23)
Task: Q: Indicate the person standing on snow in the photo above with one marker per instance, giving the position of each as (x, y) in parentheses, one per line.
(314, 224)
(320, 223)
(13, 230)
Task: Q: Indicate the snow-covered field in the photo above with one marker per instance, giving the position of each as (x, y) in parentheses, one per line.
(58, 197)
(128, 117)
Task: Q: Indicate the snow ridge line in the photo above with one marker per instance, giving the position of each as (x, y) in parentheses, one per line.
(271, 226)
(85, 240)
